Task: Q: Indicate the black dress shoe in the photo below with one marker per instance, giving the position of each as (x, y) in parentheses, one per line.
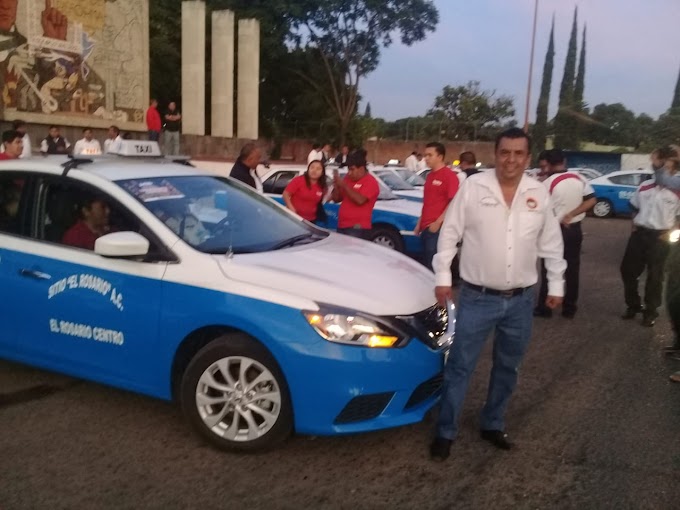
(648, 321)
(498, 438)
(630, 313)
(543, 313)
(440, 449)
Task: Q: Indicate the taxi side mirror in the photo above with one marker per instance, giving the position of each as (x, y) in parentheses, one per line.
(122, 245)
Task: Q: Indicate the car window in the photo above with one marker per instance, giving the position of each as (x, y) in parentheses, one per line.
(74, 214)
(626, 180)
(394, 182)
(277, 182)
(642, 178)
(217, 215)
(12, 202)
(411, 177)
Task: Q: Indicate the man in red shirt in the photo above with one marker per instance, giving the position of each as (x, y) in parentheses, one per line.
(441, 186)
(13, 143)
(357, 194)
(93, 223)
(153, 121)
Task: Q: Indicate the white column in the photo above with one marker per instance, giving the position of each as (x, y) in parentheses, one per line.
(222, 70)
(248, 78)
(193, 67)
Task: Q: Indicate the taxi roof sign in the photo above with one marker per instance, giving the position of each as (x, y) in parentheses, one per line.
(139, 148)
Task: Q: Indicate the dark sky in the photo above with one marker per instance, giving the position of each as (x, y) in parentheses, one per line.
(633, 54)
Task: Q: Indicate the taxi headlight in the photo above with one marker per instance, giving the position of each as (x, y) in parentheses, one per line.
(353, 329)
(674, 236)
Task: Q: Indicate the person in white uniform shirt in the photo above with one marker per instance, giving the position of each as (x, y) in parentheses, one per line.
(20, 127)
(648, 247)
(87, 145)
(505, 221)
(114, 143)
(316, 154)
(572, 197)
(411, 162)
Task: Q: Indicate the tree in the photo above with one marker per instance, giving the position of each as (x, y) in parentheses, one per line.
(468, 109)
(614, 124)
(564, 121)
(676, 96)
(540, 131)
(348, 36)
(367, 113)
(579, 87)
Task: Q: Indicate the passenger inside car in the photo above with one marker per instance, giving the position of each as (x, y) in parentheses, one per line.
(10, 195)
(176, 215)
(93, 223)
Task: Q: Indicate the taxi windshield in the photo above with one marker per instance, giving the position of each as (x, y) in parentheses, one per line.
(410, 176)
(394, 182)
(218, 215)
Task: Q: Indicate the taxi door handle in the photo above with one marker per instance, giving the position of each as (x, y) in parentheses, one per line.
(38, 275)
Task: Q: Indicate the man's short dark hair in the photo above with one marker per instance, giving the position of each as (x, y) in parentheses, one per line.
(87, 129)
(53, 127)
(115, 129)
(18, 124)
(357, 158)
(247, 150)
(414, 153)
(11, 135)
(316, 146)
(468, 157)
(555, 157)
(514, 134)
(438, 148)
(666, 152)
(543, 156)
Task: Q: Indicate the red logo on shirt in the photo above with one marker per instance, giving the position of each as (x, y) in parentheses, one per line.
(436, 183)
(531, 203)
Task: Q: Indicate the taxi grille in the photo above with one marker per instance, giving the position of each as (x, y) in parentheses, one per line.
(364, 407)
(428, 325)
(425, 391)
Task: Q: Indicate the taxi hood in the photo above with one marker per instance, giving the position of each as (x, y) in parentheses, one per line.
(341, 271)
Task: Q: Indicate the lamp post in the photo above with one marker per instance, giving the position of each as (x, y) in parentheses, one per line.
(531, 68)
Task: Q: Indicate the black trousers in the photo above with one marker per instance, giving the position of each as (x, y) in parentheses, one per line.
(645, 250)
(572, 237)
(673, 289)
(361, 233)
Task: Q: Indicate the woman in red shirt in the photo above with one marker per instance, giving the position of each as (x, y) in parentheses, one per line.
(304, 193)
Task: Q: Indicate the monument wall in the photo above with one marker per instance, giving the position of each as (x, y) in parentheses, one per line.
(75, 62)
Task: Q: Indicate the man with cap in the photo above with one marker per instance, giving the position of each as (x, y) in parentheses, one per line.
(357, 194)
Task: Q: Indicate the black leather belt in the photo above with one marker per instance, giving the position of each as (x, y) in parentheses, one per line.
(494, 292)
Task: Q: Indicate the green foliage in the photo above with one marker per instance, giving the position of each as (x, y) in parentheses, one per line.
(676, 96)
(540, 130)
(579, 87)
(468, 109)
(566, 120)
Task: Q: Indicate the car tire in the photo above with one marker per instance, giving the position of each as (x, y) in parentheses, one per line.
(388, 237)
(603, 208)
(219, 400)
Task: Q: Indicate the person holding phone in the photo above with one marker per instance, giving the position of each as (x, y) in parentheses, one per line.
(304, 194)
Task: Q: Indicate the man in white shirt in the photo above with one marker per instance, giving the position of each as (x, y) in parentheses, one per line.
(422, 164)
(505, 221)
(316, 154)
(658, 209)
(87, 145)
(411, 162)
(114, 143)
(572, 196)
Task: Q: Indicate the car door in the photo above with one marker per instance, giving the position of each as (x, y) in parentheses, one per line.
(623, 190)
(79, 312)
(15, 194)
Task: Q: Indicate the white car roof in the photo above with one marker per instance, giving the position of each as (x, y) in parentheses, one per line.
(606, 177)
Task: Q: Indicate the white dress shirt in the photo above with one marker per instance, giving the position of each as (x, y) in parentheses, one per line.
(113, 146)
(411, 163)
(568, 190)
(461, 175)
(422, 165)
(90, 148)
(314, 156)
(658, 207)
(501, 244)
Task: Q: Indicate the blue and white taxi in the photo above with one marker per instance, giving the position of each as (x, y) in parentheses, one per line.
(154, 277)
(397, 184)
(614, 191)
(394, 218)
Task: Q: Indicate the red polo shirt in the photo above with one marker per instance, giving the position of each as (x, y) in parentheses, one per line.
(80, 236)
(153, 119)
(305, 199)
(5, 156)
(440, 188)
(352, 215)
